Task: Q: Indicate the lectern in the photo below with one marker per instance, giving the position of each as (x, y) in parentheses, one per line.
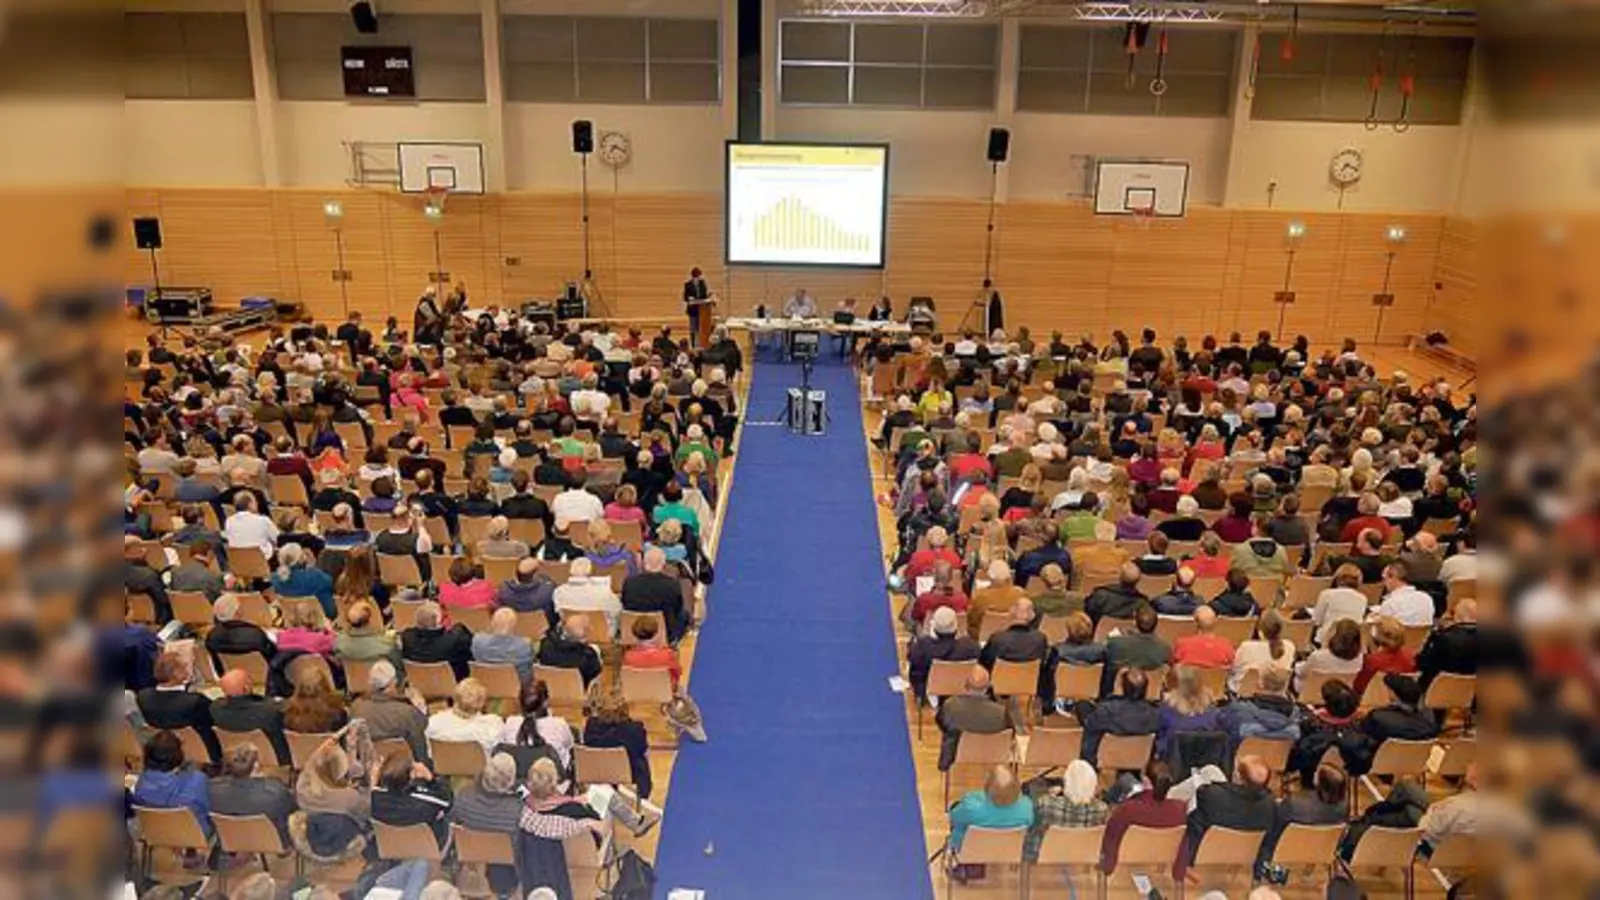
(701, 314)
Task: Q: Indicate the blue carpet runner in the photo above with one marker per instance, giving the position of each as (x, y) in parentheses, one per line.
(807, 788)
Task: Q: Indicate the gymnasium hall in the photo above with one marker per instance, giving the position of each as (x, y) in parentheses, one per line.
(732, 449)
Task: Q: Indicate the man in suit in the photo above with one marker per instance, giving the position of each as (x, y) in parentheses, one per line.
(1453, 649)
(171, 706)
(1127, 713)
(973, 711)
(695, 292)
(1244, 804)
(240, 710)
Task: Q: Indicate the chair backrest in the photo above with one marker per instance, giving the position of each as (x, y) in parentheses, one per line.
(566, 685)
(1451, 691)
(456, 758)
(302, 745)
(985, 749)
(1124, 752)
(500, 679)
(1078, 682)
(1397, 757)
(475, 618)
(1457, 756)
(404, 613)
(1065, 846)
(1015, 679)
(398, 569)
(1053, 747)
(1382, 847)
(994, 620)
(533, 626)
(406, 842)
(1235, 629)
(1304, 590)
(1102, 631)
(498, 569)
(1170, 628)
(254, 665)
(474, 529)
(1228, 847)
(528, 531)
(1458, 851)
(1274, 752)
(1311, 686)
(993, 846)
(1054, 628)
(248, 834)
(194, 748)
(254, 608)
(625, 625)
(601, 765)
(1307, 845)
(435, 681)
(191, 608)
(948, 678)
(473, 846)
(248, 562)
(1149, 846)
(257, 739)
(358, 675)
(653, 685)
(177, 829)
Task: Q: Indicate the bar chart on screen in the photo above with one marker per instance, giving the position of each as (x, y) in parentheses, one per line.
(791, 226)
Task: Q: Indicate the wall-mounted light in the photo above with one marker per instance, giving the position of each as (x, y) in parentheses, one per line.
(1396, 234)
(1295, 231)
(433, 211)
(333, 210)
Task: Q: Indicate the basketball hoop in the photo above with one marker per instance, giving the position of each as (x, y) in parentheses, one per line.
(1143, 216)
(433, 202)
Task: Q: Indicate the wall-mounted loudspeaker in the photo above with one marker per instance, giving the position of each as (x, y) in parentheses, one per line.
(364, 17)
(583, 136)
(999, 144)
(147, 233)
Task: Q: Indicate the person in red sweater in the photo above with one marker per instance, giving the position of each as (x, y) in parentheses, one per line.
(943, 593)
(964, 465)
(1389, 654)
(1211, 562)
(1150, 808)
(650, 651)
(1204, 649)
(466, 589)
(923, 561)
(1366, 517)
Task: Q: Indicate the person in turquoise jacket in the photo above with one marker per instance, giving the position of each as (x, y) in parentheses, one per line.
(1001, 804)
(298, 576)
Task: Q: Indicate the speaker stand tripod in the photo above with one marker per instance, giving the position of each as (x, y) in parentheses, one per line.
(594, 302)
(980, 305)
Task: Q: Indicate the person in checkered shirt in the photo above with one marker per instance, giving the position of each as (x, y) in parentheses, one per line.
(1073, 805)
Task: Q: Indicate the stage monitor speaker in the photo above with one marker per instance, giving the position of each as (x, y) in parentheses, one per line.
(364, 17)
(999, 144)
(147, 233)
(583, 136)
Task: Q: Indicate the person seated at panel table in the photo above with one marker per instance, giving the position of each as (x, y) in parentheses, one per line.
(800, 306)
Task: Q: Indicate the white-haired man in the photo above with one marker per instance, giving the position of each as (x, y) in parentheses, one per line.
(587, 592)
(501, 645)
(390, 714)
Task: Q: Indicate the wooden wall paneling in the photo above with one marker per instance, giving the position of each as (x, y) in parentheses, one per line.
(544, 231)
(223, 239)
(1165, 273)
(772, 285)
(416, 245)
(936, 250)
(1225, 317)
(659, 238)
(1365, 256)
(365, 256)
(1314, 274)
(491, 287)
(291, 279)
(1454, 307)
(1056, 266)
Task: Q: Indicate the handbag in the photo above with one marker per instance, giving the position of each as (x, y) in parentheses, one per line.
(636, 879)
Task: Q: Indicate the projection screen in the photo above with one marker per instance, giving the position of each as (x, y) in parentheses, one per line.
(807, 204)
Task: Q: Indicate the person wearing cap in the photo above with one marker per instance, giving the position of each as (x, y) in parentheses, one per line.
(945, 640)
(389, 714)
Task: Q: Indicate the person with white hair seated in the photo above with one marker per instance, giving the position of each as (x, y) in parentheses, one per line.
(586, 592)
(695, 441)
(491, 804)
(389, 713)
(466, 720)
(1186, 524)
(497, 541)
(504, 467)
(428, 641)
(231, 634)
(501, 645)
(1073, 805)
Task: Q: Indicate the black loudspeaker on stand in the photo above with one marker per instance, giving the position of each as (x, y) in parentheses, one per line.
(987, 304)
(583, 136)
(999, 144)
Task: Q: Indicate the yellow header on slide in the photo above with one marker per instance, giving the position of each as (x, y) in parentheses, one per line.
(802, 155)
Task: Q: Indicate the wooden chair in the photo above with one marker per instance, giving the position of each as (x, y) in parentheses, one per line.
(1015, 680)
(1155, 848)
(1308, 846)
(500, 680)
(499, 569)
(1078, 682)
(945, 679)
(1310, 692)
(625, 626)
(254, 608)
(358, 676)
(490, 848)
(1236, 629)
(194, 747)
(1155, 585)
(289, 490)
(641, 687)
(993, 621)
(1451, 692)
(257, 739)
(1054, 628)
(253, 664)
(1399, 759)
(400, 843)
(474, 529)
(1215, 680)
(587, 864)
(192, 609)
(457, 758)
(302, 746)
(1457, 756)
(248, 562)
(168, 829)
(1266, 588)
(1298, 632)
(252, 836)
(533, 626)
(1170, 628)
(528, 531)
(1274, 752)
(399, 570)
(1052, 748)
(1227, 848)
(435, 681)
(1069, 848)
(1388, 848)
(476, 619)
(1124, 752)
(991, 847)
(404, 613)
(566, 685)
(1460, 852)
(973, 749)
(601, 765)
(1102, 631)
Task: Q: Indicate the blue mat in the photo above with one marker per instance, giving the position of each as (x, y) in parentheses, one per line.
(807, 788)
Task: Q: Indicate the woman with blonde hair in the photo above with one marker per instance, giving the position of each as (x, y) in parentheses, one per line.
(605, 552)
(624, 507)
(307, 631)
(466, 720)
(610, 725)
(1389, 654)
(1188, 706)
(1073, 805)
(1270, 650)
(316, 706)
(332, 782)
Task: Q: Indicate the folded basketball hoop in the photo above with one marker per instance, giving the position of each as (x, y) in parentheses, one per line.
(433, 201)
(1143, 215)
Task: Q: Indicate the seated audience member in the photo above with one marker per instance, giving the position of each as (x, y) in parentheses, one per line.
(567, 646)
(1343, 601)
(168, 782)
(1205, 648)
(501, 645)
(1402, 601)
(1073, 805)
(1340, 657)
(491, 804)
(1388, 654)
(1148, 807)
(655, 589)
(1185, 524)
(171, 705)
(606, 553)
(408, 794)
(529, 590)
(1287, 527)
(1236, 600)
(1049, 553)
(610, 725)
(586, 592)
(1335, 725)
(240, 710)
(942, 593)
(197, 574)
(1181, 600)
(306, 632)
(1001, 804)
(973, 711)
(1454, 648)
(1212, 561)
(232, 635)
(466, 589)
(1268, 713)
(1403, 719)
(1189, 706)
(497, 541)
(1324, 803)
(537, 732)
(1367, 507)
(921, 564)
(1127, 712)
(1140, 649)
(428, 641)
(1080, 648)
(1267, 651)
(241, 790)
(1054, 599)
(997, 597)
(298, 576)
(1261, 555)
(364, 637)
(1116, 601)
(1243, 804)
(1019, 641)
(1156, 561)
(1422, 557)
(389, 713)
(1463, 565)
(466, 720)
(650, 650)
(945, 641)
(315, 707)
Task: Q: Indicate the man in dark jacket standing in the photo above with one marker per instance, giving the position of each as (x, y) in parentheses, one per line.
(430, 642)
(1127, 713)
(657, 590)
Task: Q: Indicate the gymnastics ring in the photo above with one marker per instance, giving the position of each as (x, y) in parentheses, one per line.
(1402, 126)
(1158, 86)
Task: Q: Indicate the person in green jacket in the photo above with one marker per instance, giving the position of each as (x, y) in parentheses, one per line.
(695, 442)
(1261, 555)
(673, 507)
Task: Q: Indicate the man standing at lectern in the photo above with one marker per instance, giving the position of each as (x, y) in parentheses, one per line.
(695, 292)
